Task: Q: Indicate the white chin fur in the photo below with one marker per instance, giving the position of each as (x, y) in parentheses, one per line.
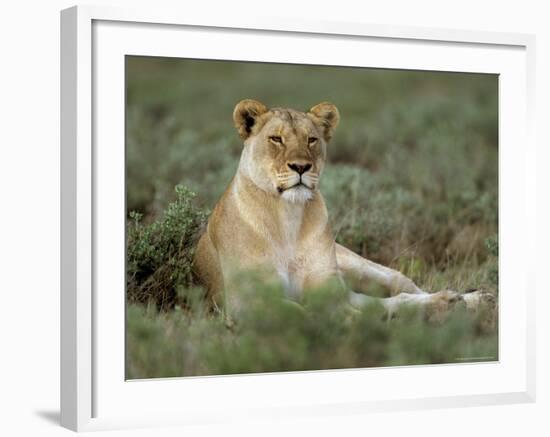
(297, 195)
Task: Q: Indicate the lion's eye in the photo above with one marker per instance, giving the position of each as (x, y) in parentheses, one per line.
(311, 141)
(276, 139)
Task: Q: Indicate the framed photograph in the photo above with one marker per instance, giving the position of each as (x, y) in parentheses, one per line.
(271, 218)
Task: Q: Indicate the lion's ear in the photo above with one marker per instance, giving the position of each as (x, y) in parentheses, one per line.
(245, 116)
(326, 115)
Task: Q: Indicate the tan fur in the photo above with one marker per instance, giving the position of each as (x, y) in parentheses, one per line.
(264, 221)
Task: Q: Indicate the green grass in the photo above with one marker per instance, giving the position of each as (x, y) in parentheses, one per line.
(272, 335)
(411, 182)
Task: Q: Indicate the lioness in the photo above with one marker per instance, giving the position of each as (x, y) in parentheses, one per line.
(273, 217)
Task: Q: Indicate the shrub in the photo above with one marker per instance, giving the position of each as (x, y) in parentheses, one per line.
(160, 254)
(275, 335)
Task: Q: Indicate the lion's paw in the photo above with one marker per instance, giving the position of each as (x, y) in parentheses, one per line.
(477, 298)
(441, 303)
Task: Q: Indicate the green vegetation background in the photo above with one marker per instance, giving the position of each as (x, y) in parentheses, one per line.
(412, 182)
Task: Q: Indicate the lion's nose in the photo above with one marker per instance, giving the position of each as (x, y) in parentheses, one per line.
(299, 168)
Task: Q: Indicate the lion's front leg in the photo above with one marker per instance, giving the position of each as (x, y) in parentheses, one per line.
(403, 292)
(360, 271)
(436, 305)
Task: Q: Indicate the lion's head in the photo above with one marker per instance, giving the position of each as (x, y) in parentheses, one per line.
(284, 149)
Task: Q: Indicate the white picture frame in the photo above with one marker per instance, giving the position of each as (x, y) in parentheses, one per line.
(93, 39)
